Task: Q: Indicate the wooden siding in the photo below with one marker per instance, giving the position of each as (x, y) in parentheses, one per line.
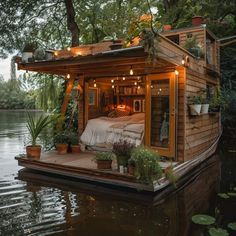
(201, 131)
(181, 115)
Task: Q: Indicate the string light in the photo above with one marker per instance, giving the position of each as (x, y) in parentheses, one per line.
(123, 78)
(176, 72)
(68, 76)
(131, 72)
(55, 53)
(94, 85)
(113, 86)
(135, 83)
(68, 49)
(112, 80)
(138, 87)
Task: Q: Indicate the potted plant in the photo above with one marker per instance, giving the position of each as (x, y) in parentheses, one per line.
(147, 167)
(35, 127)
(122, 150)
(205, 105)
(61, 142)
(194, 104)
(194, 47)
(74, 142)
(204, 102)
(131, 166)
(104, 160)
(28, 52)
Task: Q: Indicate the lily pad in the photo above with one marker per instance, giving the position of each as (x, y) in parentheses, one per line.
(218, 232)
(223, 195)
(232, 194)
(232, 226)
(203, 219)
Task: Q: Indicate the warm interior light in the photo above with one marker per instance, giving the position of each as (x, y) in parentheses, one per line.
(123, 78)
(138, 87)
(68, 48)
(176, 72)
(135, 83)
(55, 53)
(113, 86)
(183, 60)
(112, 80)
(68, 76)
(94, 85)
(131, 72)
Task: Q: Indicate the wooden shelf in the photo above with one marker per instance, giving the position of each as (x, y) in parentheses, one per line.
(130, 95)
(201, 114)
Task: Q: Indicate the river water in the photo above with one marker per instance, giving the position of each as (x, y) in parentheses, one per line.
(37, 204)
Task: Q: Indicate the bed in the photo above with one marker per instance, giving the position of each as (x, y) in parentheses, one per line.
(104, 131)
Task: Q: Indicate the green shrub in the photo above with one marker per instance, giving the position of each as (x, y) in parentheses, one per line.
(147, 168)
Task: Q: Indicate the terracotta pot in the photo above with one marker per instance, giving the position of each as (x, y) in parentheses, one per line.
(131, 169)
(197, 20)
(75, 149)
(61, 148)
(195, 109)
(115, 46)
(33, 151)
(104, 164)
(204, 108)
(167, 27)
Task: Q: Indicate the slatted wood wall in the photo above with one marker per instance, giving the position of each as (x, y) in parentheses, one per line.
(200, 131)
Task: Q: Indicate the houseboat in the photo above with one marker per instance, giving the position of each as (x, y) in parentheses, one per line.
(132, 94)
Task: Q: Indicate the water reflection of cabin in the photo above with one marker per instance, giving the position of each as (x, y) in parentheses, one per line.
(159, 90)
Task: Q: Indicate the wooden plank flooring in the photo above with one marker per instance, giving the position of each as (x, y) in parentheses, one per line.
(83, 166)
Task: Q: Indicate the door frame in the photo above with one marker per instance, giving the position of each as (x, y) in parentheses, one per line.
(170, 150)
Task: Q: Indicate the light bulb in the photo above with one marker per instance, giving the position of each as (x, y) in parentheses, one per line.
(68, 76)
(176, 72)
(123, 78)
(113, 86)
(131, 72)
(112, 80)
(68, 48)
(135, 83)
(95, 85)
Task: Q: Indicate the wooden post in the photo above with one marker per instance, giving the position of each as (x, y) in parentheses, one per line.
(66, 100)
(81, 105)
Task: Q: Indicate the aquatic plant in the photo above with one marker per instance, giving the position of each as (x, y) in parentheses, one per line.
(203, 219)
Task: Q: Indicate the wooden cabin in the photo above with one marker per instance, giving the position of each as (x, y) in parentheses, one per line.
(125, 82)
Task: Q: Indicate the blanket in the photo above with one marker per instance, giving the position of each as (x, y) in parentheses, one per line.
(105, 130)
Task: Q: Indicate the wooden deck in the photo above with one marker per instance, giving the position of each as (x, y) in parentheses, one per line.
(83, 166)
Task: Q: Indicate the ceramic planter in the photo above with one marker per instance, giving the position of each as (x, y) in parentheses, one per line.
(167, 27)
(26, 56)
(195, 109)
(204, 108)
(75, 149)
(104, 164)
(131, 169)
(33, 151)
(61, 148)
(197, 20)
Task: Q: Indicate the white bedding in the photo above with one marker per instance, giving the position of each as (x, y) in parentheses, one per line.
(105, 130)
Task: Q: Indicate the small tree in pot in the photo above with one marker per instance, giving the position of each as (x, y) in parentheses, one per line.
(35, 127)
